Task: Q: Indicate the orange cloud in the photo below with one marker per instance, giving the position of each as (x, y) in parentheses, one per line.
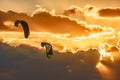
(109, 12)
(91, 15)
(44, 21)
(75, 13)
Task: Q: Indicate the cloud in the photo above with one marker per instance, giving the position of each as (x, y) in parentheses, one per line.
(27, 62)
(81, 13)
(75, 13)
(44, 21)
(92, 15)
(112, 51)
(109, 12)
(61, 24)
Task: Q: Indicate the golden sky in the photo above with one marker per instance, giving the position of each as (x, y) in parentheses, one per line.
(91, 32)
(58, 5)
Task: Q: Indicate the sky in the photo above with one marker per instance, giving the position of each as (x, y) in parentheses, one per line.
(59, 5)
(84, 35)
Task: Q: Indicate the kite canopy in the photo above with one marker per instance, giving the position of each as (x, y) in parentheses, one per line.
(49, 50)
(24, 26)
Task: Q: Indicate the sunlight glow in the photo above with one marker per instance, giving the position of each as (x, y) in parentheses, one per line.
(106, 72)
(60, 42)
(106, 54)
(8, 23)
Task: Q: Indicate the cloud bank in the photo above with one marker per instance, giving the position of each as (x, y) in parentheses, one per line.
(45, 21)
(25, 62)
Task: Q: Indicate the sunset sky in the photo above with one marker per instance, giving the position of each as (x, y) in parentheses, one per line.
(84, 34)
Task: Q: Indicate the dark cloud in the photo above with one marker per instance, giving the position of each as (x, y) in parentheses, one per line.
(25, 62)
(109, 12)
